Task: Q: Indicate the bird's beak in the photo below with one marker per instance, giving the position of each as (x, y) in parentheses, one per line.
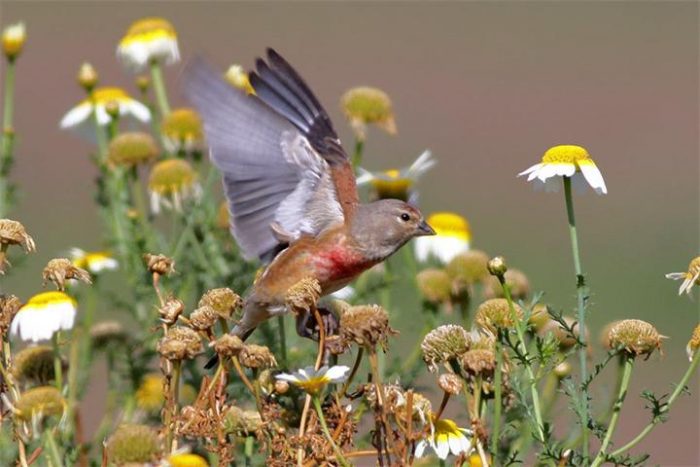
(424, 229)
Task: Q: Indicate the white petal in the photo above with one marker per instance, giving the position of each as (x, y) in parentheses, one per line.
(346, 293)
(420, 448)
(442, 447)
(530, 170)
(676, 275)
(594, 177)
(564, 170)
(547, 171)
(76, 116)
(455, 443)
(686, 286)
(421, 165)
(103, 117)
(287, 377)
(337, 373)
(365, 176)
(138, 111)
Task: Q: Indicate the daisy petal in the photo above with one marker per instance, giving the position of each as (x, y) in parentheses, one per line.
(593, 176)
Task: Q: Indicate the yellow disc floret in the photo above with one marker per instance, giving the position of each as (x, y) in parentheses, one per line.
(147, 30)
(47, 299)
(566, 154)
(171, 176)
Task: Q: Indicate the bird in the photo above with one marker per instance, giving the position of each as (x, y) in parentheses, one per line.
(290, 186)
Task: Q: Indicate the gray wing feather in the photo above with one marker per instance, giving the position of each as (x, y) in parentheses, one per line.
(271, 172)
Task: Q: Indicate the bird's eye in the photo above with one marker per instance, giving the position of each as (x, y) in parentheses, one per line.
(405, 217)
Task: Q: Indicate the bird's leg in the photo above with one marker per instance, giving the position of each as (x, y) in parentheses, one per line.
(308, 328)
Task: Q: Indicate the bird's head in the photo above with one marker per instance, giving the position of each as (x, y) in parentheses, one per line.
(386, 225)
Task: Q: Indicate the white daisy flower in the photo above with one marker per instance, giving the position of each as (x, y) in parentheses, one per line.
(445, 438)
(146, 40)
(171, 182)
(452, 237)
(566, 161)
(690, 278)
(313, 381)
(13, 39)
(80, 116)
(93, 261)
(397, 183)
(43, 315)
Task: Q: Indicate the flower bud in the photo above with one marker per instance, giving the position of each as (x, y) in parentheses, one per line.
(13, 38)
(228, 345)
(143, 82)
(281, 387)
(223, 301)
(365, 105)
(203, 318)
(468, 267)
(34, 364)
(303, 296)
(87, 77)
(112, 109)
(497, 266)
(179, 344)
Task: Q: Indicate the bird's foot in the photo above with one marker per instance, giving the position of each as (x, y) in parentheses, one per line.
(308, 327)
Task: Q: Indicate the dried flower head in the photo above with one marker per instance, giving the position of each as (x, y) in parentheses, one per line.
(303, 296)
(106, 333)
(13, 38)
(182, 130)
(180, 343)
(366, 105)
(495, 314)
(517, 282)
(13, 233)
(569, 161)
(479, 362)
(451, 383)
(133, 444)
(9, 306)
(43, 315)
(435, 285)
(447, 342)
(336, 345)
(203, 318)
(242, 422)
(565, 338)
(693, 343)
(87, 77)
(635, 337)
(148, 40)
(468, 267)
(228, 345)
(132, 148)
(159, 264)
(42, 401)
(366, 325)
(238, 78)
(171, 310)
(394, 397)
(690, 277)
(59, 270)
(497, 266)
(452, 237)
(34, 364)
(171, 182)
(257, 356)
(223, 301)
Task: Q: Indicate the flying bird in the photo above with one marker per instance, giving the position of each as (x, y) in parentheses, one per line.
(290, 187)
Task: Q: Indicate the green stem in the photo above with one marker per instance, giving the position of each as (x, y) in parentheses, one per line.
(621, 394)
(357, 155)
(497, 401)
(248, 450)
(159, 87)
(680, 388)
(283, 340)
(8, 137)
(57, 366)
(172, 409)
(580, 299)
(52, 449)
(338, 453)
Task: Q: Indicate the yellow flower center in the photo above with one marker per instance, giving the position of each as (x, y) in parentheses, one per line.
(448, 224)
(104, 95)
(445, 426)
(171, 176)
(149, 396)
(313, 385)
(566, 154)
(367, 104)
(693, 269)
(183, 125)
(45, 299)
(147, 30)
(187, 460)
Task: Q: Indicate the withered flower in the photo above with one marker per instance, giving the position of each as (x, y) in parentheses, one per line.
(303, 296)
(203, 318)
(9, 306)
(171, 310)
(635, 337)
(180, 343)
(366, 325)
(228, 345)
(13, 233)
(394, 396)
(242, 422)
(336, 345)
(34, 364)
(443, 344)
(59, 270)
(257, 356)
(133, 444)
(450, 383)
(159, 264)
(693, 343)
(223, 301)
(479, 362)
(495, 314)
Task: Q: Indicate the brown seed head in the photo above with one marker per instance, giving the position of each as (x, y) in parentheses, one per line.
(435, 285)
(203, 318)
(447, 342)
(497, 266)
(13, 233)
(693, 343)
(366, 325)
(241, 422)
(303, 296)
(133, 444)
(495, 314)
(180, 343)
(468, 267)
(171, 310)
(635, 337)
(59, 270)
(223, 301)
(40, 401)
(34, 364)
(228, 345)
(479, 362)
(515, 279)
(257, 356)
(9, 306)
(336, 345)
(159, 264)
(450, 383)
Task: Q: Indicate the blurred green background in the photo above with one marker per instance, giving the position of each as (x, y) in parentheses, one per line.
(488, 87)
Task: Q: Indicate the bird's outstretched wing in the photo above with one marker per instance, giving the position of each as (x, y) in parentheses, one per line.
(285, 172)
